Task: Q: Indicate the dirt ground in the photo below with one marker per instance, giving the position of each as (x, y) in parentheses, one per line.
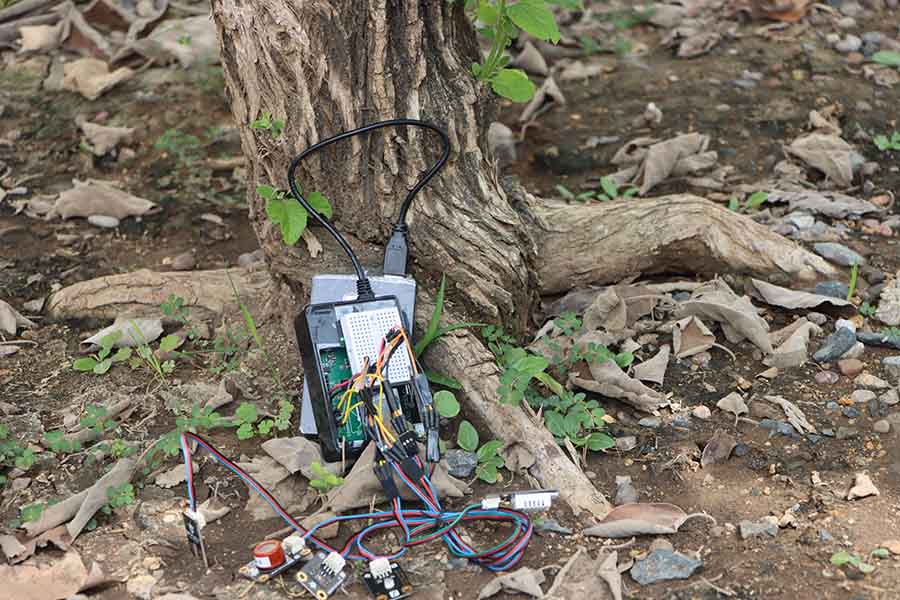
(41, 143)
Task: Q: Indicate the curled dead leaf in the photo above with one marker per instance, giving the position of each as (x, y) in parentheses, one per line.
(642, 519)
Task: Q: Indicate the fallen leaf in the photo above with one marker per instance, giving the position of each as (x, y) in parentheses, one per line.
(11, 319)
(165, 43)
(585, 577)
(862, 487)
(18, 550)
(92, 197)
(174, 476)
(690, 336)
(654, 369)
(213, 509)
(642, 519)
(524, 580)
(531, 60)
(103, 139)
(56, 580)
(92, 78)
(739, 318)
(517, 457)
(794, 352)
(794, 415)
(546, 96)
(828, 204)
(681, 155)
(608, 311)
(779, 296)
(734, 404)
(297, 454)
(717, 449)
(135, 332)
(893, 546)
(313, 245)
(828, 153)
(610, 380)
(37, 38)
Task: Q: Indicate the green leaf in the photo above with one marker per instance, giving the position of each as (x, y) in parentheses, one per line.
(865, 567)
(103, 366)
(565, 192)
(733, 204)
(245, 413)
(265, 427)
(84, 364)
(122, 355)
(600, 441)
(624, 359)
(890, 58)
(568, 4)
(882, 142)
(109, 340)
(609, 187)
(533, 17)
(881, 553)
(320, 204)
(446, 404)
(289, 216)
(245, 431)
(487, 473)
(756, 200)
(489, 450)
(25, 460)
(487, 13)
(169, 343)
(467, 437)
(31, 513)
(513, 84)
(266, 192)
(443, 380)
(841, 558)
(168, 366)
(555, 423)
(435, 323)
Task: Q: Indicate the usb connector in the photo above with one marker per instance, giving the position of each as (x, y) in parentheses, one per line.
(396, 252)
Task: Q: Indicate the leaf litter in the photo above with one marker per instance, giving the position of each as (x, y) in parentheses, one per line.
(642, 519)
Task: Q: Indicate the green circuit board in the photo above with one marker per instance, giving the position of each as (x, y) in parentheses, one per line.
(336, 367)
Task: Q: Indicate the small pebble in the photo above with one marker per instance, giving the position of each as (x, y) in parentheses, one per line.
(702, 412)
(850, 367)
(847, 23)
(652, 422)
(890, 398)
(817, 318)
(827, 377)
(851, 412)
(184, 262)
(845, 433)
(832, 406)
(882, 426)
(741, 450)
(103, 221)
(862, 396)
(849, 44)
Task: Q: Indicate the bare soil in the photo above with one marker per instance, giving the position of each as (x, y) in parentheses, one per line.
(748, 127)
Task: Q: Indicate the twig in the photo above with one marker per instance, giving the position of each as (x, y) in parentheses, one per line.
(723, 591)
(621, 546)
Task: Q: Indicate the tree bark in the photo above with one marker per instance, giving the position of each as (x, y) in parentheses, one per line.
(325, 66)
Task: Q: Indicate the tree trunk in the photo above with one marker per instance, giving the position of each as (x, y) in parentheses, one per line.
(325, 66)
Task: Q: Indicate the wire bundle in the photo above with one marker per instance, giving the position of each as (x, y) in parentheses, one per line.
(396, 455)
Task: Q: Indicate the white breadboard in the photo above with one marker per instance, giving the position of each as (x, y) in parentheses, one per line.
(363, 332)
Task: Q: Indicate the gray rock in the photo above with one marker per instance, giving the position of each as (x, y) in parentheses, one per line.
(856, 351)
(881, 340)
(103, 221)
(184, 262)
(833, 289)
(846, 23)
(752, 529)
(660, 543)
(862, 396)
(851, 412)
(248, 259)
(891, 365)
(869, 381)
(702, 412)
(461, 464)
(652, 422)
(890, 398)
(625, 492)
(502, 143)
(800, 220)
(827, 378)
(832, 406)
(836, 345)
(828, 432)
(882, 426)
(664, 565)
(873, 37)
(551, 526)
(845, 433)
(817, 318)
(851, 9)
(849, 44)
(824, 536)
(889, 305)
(875, 409)
(838, 254)
(741, 450)
(682, 421)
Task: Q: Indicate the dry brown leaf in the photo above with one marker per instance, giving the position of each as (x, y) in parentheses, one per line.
(642, 519)
(717, 449)
(794, 415)
(690, 336)
(546, 96)
(531, 60)
(862, 487)
(779, 296)
(786, 11)
(18, 550)
(524, 580)
(795, 350)
(91, 77)
(654, 369)
(11, 319)
(40, 580)
(96, 497)
(718, 302)
(102, 139)
(828, 153)
(608, 311)
(609, 380)
(135, 332)
(663, 158)
(828, 204)
(585, 577)
(734, 404)
(91, 197)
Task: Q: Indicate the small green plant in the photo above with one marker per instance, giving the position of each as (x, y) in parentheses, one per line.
(574, 417)
(101, 362)
(30, 513)
(58, 443)
(570, 196)
(288, 214)
(854, 275)
(244, 418)
(890, 58)
(611, 191)
(96, 418)
(501, 21)
(753, 202)
(325, 480)
(184, 147)
(885, 143)
(184, 40)
(867, 310)
(266, 123)
(489, 459)
(12, 453)
(893, 332)
(146, 356)
(843, 557)
(117, 497)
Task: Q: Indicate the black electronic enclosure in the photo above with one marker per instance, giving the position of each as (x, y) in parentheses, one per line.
(326, 363)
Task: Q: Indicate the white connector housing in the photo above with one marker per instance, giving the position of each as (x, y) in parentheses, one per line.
(294, 544)
(491, 503)
(197, 517)
(536, 500)
(380, 567)
(334, 563)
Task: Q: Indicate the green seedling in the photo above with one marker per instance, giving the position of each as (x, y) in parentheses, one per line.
(184, 147)
(117, 497)
(325, 480)
(288, 214)
(101, 362)
(446, 404)
(488, 458)
(854, 276)
(244, 418)
(266, 123)
(752, 204)
(12, 453)
(885, 143)
(890, 58)
(574, 417)
(867, 310)
(843, 557)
